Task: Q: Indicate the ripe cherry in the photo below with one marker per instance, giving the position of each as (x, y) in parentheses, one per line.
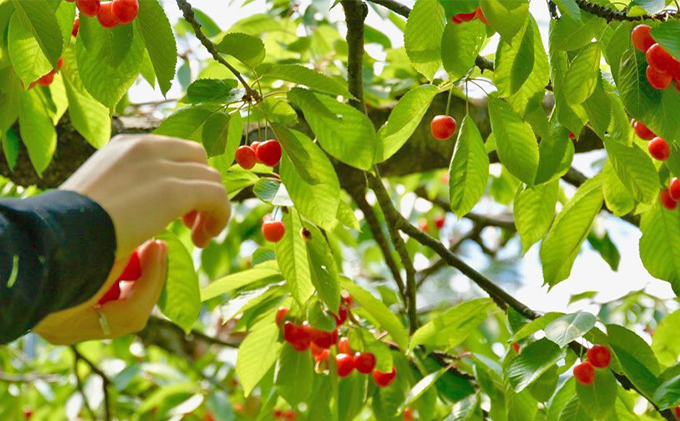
(254, 147)
(642, 38)
(60, 63)
(659, 149)
(106, 17)
(481, 17)
(297, 336)
(273, 231)
(667, 201)
(599, 356)
(443, 127)
(208, 417)
(677, 411)
(364, 362)
(584, 373)
(643, 131)
(245, 157)
(345, 364)
(384, 379)
(658, 80)
(269, 153)
(112, 294)
(47, 79)
(347, 299)
(324, 339)
(674, 189)
(515, 347)
(464, 17)
(76, 27)
(88, 7)
(343, 346)
(408, 414)
(659, 59)
(133, 270)
(572, 136)
(341, 317)
(439, 222)
(281, 314)
(317, 352)
(125, 10)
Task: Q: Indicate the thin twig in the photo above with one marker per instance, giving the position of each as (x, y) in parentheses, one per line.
(105, 379)
(190, 17)
(79, 385)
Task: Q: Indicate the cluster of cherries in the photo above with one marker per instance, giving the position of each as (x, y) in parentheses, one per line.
(439, 222)
(131, 273)
(597, 357)
(267, 153)
(663, 68)
(467, 17)
(109, 14)
(304, 336)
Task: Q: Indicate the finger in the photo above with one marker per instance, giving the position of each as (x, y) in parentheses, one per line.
(198, 235)
(211, 199)
(189, 218)
(169, 148)
(192, 171)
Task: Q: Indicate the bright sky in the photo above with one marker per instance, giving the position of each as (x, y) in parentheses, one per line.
(590, 273)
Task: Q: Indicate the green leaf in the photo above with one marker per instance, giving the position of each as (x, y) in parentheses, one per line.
(466, 410)
(461, 44)
(453, 326)
(38, 16)
(323, 271)
(599, 108)
(535, 325)
(403, 121)
(292, 143)
(379, 311)
(423, 37)
(186, 123)
(570, 7)
(10, 147)
(637, 95)
(517, 146)
(155, 30)
(180, 300)
(534, 211)
(635, 169)
(318, 202)
(634, 345)
(569, 328)
(28, 60)
(570, 34)
(272, 192)
(216, 134)
(293, 259)
(604, 245)
(659, 250)
(267, 272)
(573, 411)
(351, 397)
(419, 389)
(214, 90)
(668, 36)
(556, 152)
(665, 340)
(247, 49)
(359, 141)
(469, 169)
(563, 396)
(583, 74)
(109, 46)
(570, 229)
(668, 393)
(535, 359)
(506, 17)
(347, 217)
(598, 399)
(617, 197)
(543, 388)
(37, 131)
(301, 75)
(523, 62)
(295, 377)
(258, 352)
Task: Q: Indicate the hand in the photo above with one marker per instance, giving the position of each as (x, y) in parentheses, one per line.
(124, 316)
(144, 182)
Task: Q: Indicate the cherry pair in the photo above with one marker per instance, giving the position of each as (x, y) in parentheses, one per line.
(598, 357)
(267, 153)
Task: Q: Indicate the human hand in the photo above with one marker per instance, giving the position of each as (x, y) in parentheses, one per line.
(144, 182)
(124, 316)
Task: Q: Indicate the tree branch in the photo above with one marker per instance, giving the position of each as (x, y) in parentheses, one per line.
(79, 386)
(619, 15)
(105, 379)
(190, 17)
(355, 14)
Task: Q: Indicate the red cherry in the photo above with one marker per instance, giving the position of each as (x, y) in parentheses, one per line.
(599, 356)
(384, 379)
(667, 201)
(28, 413)
(345, 364)
(423, 226)
(71, 1)
(341, 317)
(324, 339)
(480, 16)
(439, 222)
(278, 414)
(464, 17)
(348, 300)
(60, 63)
(88, 7)
(254, 147)
(659, 59)
(106, 17)
(364, 362)
(47, 79)
(208, 417)
(280, 315)
(125, 10)
(659, 149)
(245, 157)
(269, 153)
(677, 411)
(657, 80)
(297, 336)
(584, 373)
(674, 189)
(273, 231)
(642, 37)
(515, 346)
(572, 136)
(643, 131)
(443, 127)
(321, 354)
(343, 346)
(133, 270)
(112, 294)
(76, 27)
(408, 414)
(290, 415)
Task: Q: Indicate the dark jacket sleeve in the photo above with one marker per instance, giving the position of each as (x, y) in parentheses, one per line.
(56, 251)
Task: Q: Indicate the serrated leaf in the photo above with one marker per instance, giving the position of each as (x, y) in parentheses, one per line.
(186, 123)
(156, 33)
(469, 169)
(37, 131)
(668, 36)
(403, 121)
(523, 62)
(109, 46)
(635, 169)
(659, 250)
(535, 325)
(668, 393)
(582, 76)
(322, 268)
(272, 192)
(665, 340)
(423, 36)
(573, 411)
(517, 146)
(570, 34)
(347, 217)
(301, 75)
(598, 399)
(293, 259)
(215, 134)
(420, 388)
(506, 17)
(258, 352)
(28, 60)
(571, 227)
(535, 359)
(214, 90)
(295, 377)
(555, 153)
(616, 195)
(569, 328)
(38, 17)
(180, 300)
(638, 96)
(248, 49)
(634, 346)
(461, 44)
(570, 7)
(534, 211)
(267, 272)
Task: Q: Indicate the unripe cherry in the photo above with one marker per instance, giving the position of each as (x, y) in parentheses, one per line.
(245, 157)
(443, 127)
(273, 231)
(659, 149)
(106, 17)
(384, 379)
(643, 131)
(642, 37)
(667, 201)
(584, 373)
(599, 356)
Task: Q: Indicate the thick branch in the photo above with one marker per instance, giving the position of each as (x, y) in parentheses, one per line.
(355, 14)
(619, 15)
